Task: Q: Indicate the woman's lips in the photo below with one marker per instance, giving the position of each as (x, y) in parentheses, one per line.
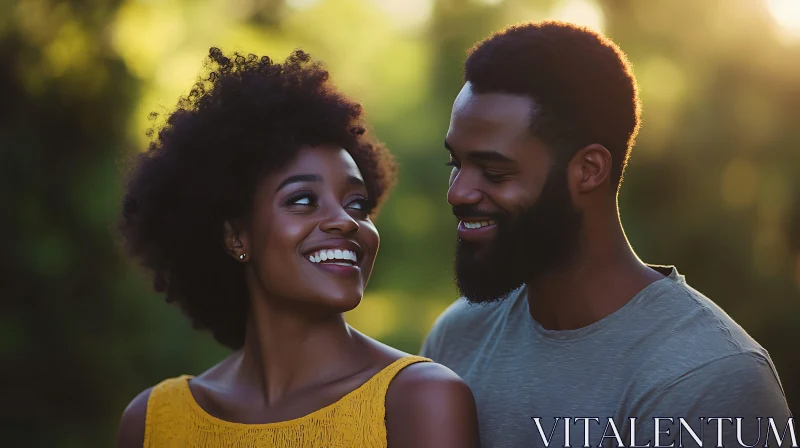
(335, 260)
(339, 269)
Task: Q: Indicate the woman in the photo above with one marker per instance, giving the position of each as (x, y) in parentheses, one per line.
(252, 208)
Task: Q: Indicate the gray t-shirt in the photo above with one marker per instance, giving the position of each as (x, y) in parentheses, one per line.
(670, 352)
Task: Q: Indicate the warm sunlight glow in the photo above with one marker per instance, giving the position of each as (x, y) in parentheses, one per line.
(580, 12)
(661, 80)
(787, 14)
(301, 4)
(406, 13)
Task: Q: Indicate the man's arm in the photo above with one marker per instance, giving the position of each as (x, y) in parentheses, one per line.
(429, 406)
(710, 399)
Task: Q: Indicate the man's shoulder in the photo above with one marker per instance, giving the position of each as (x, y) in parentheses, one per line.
(692, 317)
(464, 325)
(690, 354)
(462, 315)
(692, 333)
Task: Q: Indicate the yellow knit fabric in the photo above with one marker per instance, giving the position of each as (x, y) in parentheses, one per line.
(174, 419)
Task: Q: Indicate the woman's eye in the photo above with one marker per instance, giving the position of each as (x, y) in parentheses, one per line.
(452, 162)
(362, 205)
(301, 199)
(358, 204)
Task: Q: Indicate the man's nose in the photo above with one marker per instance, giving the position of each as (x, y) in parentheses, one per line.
(463, 189)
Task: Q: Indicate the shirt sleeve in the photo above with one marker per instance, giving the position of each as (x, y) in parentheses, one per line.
(737, 400)
(432, 346)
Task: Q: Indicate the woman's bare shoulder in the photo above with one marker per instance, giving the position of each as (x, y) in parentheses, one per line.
(132, 423)
(436, 403)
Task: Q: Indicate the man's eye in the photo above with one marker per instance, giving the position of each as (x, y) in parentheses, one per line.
(494, 177)
(452, 163)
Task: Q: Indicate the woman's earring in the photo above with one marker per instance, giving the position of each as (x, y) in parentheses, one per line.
(242, 257)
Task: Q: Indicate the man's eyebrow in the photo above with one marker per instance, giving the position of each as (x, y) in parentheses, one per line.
(483, 155)
(488, 156)
(299, 178)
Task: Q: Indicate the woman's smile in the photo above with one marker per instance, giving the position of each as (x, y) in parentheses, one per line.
(339, 256)
(316, 208)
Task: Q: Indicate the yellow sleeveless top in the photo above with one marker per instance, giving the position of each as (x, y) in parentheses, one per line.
(175, 419)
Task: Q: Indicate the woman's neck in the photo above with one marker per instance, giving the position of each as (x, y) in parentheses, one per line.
(286, 351)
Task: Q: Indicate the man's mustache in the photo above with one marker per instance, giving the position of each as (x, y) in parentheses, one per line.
(469, 211)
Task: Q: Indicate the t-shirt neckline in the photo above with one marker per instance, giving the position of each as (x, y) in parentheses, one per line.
(671, 276)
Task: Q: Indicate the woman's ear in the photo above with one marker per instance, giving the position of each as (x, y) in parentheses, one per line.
(233, 240)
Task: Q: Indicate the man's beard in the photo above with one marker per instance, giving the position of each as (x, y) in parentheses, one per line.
(539, 239)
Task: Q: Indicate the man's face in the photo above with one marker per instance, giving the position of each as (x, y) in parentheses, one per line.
(510, 194)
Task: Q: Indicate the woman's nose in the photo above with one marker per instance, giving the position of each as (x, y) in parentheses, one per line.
(339, 221)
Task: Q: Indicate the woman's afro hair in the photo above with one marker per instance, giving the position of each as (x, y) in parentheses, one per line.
(246, 119)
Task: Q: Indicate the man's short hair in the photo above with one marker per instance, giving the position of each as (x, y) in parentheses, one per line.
(581, 82)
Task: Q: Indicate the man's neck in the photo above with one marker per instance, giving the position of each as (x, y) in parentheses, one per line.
(602, 277)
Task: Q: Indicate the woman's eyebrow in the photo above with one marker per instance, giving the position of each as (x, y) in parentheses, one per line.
(354, 180)
(299, 178)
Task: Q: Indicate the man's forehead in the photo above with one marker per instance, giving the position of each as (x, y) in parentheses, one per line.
(492, 108)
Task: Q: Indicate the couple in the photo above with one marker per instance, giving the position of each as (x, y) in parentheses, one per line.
(253, 210)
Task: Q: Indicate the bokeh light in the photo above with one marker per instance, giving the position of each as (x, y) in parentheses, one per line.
(406, 13)
(582, 12)
(787, 14)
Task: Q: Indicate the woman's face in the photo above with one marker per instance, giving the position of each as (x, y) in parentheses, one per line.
(310, 240)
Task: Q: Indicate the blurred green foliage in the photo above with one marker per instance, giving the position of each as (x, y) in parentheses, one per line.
(712, 185)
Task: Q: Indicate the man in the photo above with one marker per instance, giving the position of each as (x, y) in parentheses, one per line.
(565, 337)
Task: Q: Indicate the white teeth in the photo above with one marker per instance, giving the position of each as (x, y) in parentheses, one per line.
(477, 224)
(333, 256)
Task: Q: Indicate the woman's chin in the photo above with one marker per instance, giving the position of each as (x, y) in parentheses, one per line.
(341, 302)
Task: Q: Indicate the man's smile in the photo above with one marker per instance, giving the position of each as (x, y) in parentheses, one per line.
(476, 229)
